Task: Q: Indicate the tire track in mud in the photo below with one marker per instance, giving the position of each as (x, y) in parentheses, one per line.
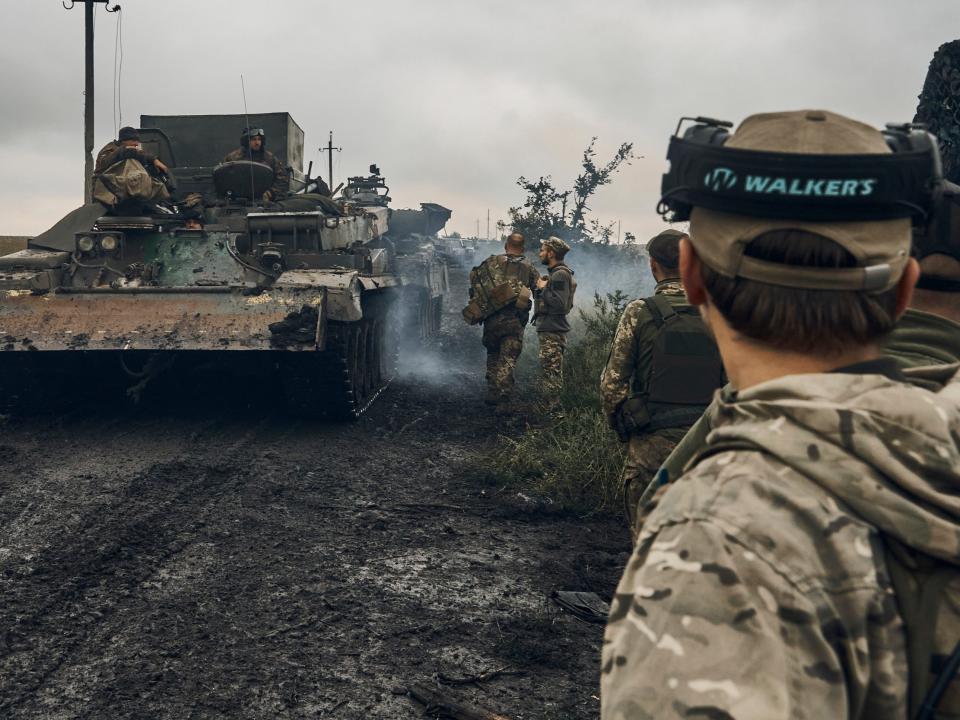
(83, 578)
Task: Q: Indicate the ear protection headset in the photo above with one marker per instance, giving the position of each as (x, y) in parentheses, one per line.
(705, 173)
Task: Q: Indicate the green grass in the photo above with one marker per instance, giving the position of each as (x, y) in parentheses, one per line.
(576, 460)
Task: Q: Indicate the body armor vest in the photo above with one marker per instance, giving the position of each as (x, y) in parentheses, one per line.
(685, 366)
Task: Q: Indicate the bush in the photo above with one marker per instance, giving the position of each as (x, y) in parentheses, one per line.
(576, 460)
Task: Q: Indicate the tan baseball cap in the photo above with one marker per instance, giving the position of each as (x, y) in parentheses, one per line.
(882, 247)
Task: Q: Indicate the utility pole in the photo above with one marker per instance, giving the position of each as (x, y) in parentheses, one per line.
(478, 228)
(488, 223)
(329, 150)
(88, 7)
(618, 232)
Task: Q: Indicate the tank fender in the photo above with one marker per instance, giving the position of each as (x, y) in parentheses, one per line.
(343, 290)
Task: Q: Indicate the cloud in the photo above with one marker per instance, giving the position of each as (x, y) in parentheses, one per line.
(453, 100)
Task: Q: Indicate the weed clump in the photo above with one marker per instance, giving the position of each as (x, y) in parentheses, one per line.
(574, 460)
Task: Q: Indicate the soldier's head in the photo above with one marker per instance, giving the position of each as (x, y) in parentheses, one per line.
(253, 139)
(818, 287)
(128, 136)
(514, 243)
(664, 252)
(553, 250)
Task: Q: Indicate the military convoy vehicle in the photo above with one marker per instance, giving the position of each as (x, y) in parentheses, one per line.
(307, 293)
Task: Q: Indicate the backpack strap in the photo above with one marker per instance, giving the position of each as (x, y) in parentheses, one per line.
(661, 310)
(918, 583)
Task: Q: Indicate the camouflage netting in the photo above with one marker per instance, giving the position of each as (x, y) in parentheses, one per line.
(939, 105)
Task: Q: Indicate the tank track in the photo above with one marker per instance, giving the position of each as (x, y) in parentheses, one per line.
(345, 380)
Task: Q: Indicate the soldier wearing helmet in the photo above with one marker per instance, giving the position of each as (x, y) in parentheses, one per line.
(253, 148)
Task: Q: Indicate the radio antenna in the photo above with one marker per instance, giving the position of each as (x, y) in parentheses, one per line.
(246, 119)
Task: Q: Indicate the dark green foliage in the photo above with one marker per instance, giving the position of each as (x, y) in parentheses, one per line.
(939, 106)
(545, 210)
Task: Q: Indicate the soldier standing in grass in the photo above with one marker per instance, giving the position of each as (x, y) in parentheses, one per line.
(554, 301)
(661, 373)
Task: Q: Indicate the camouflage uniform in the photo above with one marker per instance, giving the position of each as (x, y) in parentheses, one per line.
(503, 339)
(281, 183)
(627, 370)
(919, 339)
(113, 152)
(554, 302)
(759, 587)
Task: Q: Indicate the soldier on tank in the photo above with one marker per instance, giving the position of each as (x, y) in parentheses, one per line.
(126, 178)
(554, 300)
(253, 143)
(126, 147)
(511, 274)
(661, 373)
(805, 562)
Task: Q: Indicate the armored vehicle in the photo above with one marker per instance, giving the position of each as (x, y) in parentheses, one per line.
(305, 292)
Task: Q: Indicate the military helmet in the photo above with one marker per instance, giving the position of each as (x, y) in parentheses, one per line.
(250, 132)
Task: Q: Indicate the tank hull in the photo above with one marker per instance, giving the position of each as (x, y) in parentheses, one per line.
(161, 319)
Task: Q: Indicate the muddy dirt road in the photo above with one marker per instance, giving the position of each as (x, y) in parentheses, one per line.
(229, 562)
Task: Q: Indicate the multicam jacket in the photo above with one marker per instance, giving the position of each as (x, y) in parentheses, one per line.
(759, 587)
(281, 183)
(628, 366)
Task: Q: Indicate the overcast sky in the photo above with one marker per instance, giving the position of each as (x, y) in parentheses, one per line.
(454, 100)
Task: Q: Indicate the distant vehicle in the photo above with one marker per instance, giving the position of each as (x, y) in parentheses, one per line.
(459, 250)
(302, 292)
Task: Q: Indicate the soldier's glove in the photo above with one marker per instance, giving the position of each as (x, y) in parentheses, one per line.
(267, 196)
(615, 421)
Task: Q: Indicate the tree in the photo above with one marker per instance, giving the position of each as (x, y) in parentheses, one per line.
(594, 177)
(544, 212)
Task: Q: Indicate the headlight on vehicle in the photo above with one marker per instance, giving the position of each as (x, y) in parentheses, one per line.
(85, 244)
(109, 243)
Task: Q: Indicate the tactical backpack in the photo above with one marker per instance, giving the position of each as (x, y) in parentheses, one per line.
(128, 180)
(497, 282)
(685, 371)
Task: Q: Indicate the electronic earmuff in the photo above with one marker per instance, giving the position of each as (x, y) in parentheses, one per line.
(705, 173)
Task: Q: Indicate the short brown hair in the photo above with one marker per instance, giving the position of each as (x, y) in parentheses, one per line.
(512, 242)
(796, 319)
